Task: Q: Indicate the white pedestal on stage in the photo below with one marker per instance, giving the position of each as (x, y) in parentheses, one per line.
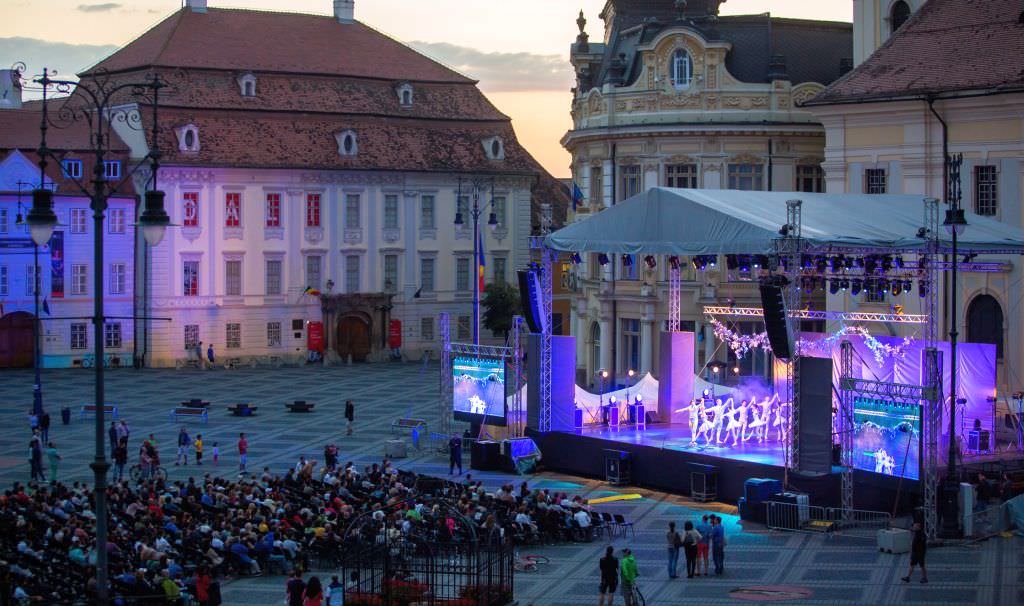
(675, 375)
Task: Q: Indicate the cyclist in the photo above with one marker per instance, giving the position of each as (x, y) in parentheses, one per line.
(149, 457)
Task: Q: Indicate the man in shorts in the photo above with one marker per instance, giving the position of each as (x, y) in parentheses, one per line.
(609, 575)
(703, 545)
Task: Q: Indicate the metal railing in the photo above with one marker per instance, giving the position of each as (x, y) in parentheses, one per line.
(825, 520)
(987, 521)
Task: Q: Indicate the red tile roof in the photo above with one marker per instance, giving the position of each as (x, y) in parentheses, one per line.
(263, 41)
(947, 46)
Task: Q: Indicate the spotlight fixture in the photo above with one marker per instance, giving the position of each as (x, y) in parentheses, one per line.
(836, 263)
(712, 260)
(859, 262)
(602, 259)
(907, 286)
(844, 285)
(922, 232)
(897, 288)
(833, 286)
(887, 263)
(870, 264)
(898, 261)
(731, 262)
(576, 258)
(849, 262)
(651, 261)
(821, 263)
(855, 288)
(883, 286)
(922, 289)
(744, 263)
(674, 262)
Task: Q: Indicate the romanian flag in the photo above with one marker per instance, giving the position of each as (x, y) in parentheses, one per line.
(311, 291)
(481, 259)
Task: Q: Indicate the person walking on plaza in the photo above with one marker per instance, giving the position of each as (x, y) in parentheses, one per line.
(243, 453)
(691, 538)
(184, 441)
(674, 543)
(198, 445)
(35, 459)
(209, 354)
(295, 588)
(335, 592)
(917, 552)
(120, 458)
(44, 426)
(609, 566)
(216, 454)
(53, 457)
(350, 415)
(33, 422)
(629, 572)
(704, 543)
(718, 544)
(454, 454)
(122, 430)
(112, 435)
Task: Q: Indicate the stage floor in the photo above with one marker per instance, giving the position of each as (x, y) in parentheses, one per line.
(677, 437)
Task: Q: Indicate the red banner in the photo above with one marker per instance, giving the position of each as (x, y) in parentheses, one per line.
(395, 334)
(315, 336)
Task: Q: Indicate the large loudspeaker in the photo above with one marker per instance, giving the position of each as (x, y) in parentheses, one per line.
(815, 415)
(774, 306)
(532, 296)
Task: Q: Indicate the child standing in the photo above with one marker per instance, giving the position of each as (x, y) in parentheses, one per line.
(216, 453)
(198, 445)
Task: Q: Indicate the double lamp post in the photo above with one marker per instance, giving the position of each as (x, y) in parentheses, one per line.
(475, 214)
(99, 102)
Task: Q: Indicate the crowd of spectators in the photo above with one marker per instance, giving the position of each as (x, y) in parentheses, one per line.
(168, 539)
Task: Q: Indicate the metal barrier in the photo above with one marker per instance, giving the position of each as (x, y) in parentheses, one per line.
(825, 520)
(988, 521)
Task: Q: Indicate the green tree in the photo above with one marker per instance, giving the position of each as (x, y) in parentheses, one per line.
(501, 304)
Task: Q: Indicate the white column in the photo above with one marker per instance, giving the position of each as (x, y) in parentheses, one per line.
(646, 345)
(606, 344)
(608, 182)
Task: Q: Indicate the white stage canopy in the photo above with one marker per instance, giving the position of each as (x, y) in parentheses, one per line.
(719, 221)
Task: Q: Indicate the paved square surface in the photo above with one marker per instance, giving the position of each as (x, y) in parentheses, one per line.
(840, 570)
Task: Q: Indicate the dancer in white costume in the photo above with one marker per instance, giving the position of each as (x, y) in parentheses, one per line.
(778, 421)
(696, 410)
(760, 420)
(737, 422)
(710, 417)
(720, 414)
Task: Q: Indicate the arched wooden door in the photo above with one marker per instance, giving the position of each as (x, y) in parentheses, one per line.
(353, 338)
(16, 340)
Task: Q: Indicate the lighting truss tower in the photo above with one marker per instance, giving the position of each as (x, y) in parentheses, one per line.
(933, 405)
(515, 345)
(846, 427)
(675, 295)
(444, 319)
(790, 248)
(546, 283)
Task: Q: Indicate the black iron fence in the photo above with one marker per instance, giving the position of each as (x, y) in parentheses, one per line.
(409, 573)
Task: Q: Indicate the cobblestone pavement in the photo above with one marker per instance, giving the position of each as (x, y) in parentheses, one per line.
(840, 570)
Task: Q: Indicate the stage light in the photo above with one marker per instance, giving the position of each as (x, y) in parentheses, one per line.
(807, 261)
(907, 286)
(848, 261)
(744, 263)
(870, 264)
(630, 373)
(844, 284)
(602, 259)
(714, 369)
(731, 262)
(887, 263)
(821, 263)
(674, 262)
(695, 261)
(833, 286)
(735, 370)
(897, 288)
(604, 374)
(639, 397)
(836, 264)
(612, 399)
(898, 261)
(922, 289)
(576, 258)
(883, 286)
(859, 262)
(651, 261)
(712, 260)
(760, 261)
(855, 288)
(627, 260)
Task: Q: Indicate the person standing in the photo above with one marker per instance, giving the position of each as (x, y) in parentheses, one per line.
(628, 571)
(199, 354)
(609, 575)
(122, 430)
(198, 445)
(54, 457)
(674, 542)
(243, 453)
(295, 588)
(112, 435)
(183, 443)
(454, 454)
(209, 354)
(335, 592)
(33, 422)
(44, 425)
(718, 544)
(703, 544)
(216, 454)
(35, 459)
(691, 538)
(350, 415)
(314, 595)
(918, 548)
(120, 458)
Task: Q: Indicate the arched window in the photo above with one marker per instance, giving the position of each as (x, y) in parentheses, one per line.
(595, 346)
(681, 69)
(406, 97)
(899, 14)
(985, 322)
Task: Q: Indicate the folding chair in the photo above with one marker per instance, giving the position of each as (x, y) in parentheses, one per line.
(622, 523)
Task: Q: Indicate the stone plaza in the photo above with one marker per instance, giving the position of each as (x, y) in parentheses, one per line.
(835, 570)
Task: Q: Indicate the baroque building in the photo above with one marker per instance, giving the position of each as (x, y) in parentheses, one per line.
(677, 95)
(949, 79)
(314, 168)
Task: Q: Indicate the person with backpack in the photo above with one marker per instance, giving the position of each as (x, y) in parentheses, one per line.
(691, 538)
(674, 543)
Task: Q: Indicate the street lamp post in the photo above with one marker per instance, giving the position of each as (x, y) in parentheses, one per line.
(98, 103)
(37, 348)
(955, 224)
(475, 213)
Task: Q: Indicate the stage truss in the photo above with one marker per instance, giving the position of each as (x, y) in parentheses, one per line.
(517, 416)
(444, 319)
(807, 314)
(675, 296)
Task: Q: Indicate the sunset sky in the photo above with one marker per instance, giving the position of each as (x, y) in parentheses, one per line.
(518, 50)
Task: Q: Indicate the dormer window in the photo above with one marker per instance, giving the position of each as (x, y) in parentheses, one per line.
(348, 145)
(494, 148)
(681, 69)
(404, 91)
(247, 85)
(188, 138)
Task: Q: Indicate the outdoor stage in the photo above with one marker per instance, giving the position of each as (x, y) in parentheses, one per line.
(660, 456)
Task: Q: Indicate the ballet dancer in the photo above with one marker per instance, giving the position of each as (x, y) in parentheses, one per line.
(737, 419)
(777, 421)
(696, 410)
(720, 414)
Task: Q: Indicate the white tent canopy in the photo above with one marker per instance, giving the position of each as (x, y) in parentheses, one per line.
(717, 221)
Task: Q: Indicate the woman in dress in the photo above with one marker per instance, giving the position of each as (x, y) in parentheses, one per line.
(738, 423)
(707, 422)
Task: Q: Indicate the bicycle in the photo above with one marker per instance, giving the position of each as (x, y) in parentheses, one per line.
(638, 598)
(529, 563)
(157, 473)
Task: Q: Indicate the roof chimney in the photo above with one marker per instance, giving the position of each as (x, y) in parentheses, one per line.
(344, 10)
(197, 6)
(10, 89)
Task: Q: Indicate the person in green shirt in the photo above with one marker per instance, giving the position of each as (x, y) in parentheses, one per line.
(628, 572)
(54, 457)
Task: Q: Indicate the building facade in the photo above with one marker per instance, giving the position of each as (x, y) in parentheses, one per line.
(319, 182)
(677, 96)
(887, 126)
(65, 266)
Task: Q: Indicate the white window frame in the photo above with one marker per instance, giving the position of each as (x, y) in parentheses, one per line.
(30, 280)
(501, 276)
(229, 195)
(79, 335)
(428, 285)
(499, 206)
(4, 228)
(112, 335)
(876, 181)
(391, 211)
(682, 175)
(273, 284)
(116, 221)
(72, 168)
(112, 169)
(79, 279)
(353, 211)
(118, 278)
(233, 335)
(233, 284)
(353, 269)
(427, 328)
(4, 281)
(185, 264)
(681, 69)
(462, 274)
(191, 336)
(319, 265)
(389, 273)
(810, 173)
(269, 219)
(986, 193)
(274, 334)
(632, 180)
(739, 173)
(79, 220)
(428, 211)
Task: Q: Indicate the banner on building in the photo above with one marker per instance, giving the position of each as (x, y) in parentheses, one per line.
(315, 336)
(57, 265)
(395, 334)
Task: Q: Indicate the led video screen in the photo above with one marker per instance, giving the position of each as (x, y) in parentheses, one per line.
(887, 437)
(478, 390)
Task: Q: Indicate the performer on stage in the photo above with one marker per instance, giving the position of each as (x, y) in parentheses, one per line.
(737, 421)
(712, 416)
(778, 421)
(696, 410)
(760, 422)
(720, 418)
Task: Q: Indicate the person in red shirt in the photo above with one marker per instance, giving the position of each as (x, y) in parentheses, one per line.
(243, 451)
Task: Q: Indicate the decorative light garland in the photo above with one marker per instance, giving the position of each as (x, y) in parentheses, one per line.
(740, 344)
